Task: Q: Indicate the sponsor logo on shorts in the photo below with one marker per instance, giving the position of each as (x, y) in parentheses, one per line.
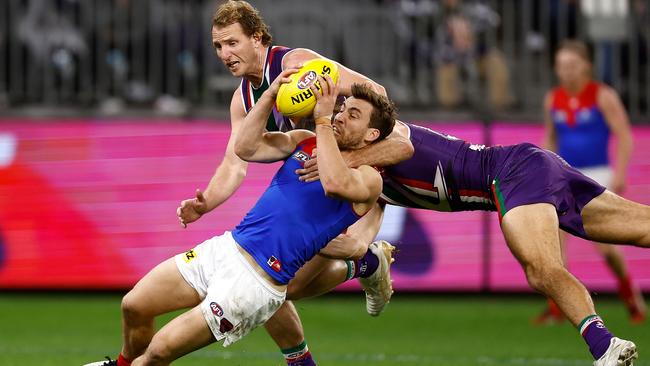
(306, 80)
(189, 255)
(216, 309)
(301, 156)
(274, 263)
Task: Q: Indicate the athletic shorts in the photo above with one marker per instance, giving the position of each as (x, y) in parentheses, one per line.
(531, 175)
(601, 174)
(236, 299)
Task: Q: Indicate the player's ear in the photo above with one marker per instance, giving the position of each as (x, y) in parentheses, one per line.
(257, 39)
(372, 135)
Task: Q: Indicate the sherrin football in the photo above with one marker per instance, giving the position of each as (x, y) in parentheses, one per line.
(295, 98)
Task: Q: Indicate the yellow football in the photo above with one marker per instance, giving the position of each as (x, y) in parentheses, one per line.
(295, 98)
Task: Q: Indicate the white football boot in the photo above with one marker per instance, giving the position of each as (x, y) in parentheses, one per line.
(379, 286)
(619, 353)
(107, 362)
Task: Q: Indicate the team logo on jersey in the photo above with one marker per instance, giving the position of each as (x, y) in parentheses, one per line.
(189, 255)
(274, 263)
(216, 309)
(301, 156)
(306, 80)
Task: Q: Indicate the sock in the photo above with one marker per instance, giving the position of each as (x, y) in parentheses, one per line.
(122, 361)
(554, 309)
(366, 266)
(299, 355)
(596, 335)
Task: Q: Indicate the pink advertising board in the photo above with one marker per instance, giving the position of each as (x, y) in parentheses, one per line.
(88, 204)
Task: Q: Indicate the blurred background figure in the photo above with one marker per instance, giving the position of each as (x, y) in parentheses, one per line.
(580, 114)
(463, 54)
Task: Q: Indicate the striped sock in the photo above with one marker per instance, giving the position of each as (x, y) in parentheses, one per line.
(596, 335)
(299, 355)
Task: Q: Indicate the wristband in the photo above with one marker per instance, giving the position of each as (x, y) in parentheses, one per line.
(323, 121)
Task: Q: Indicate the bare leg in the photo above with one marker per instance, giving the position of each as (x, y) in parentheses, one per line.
(285, 327)
(160, 291)
(532, 236)
(184, 334)
(610, 218)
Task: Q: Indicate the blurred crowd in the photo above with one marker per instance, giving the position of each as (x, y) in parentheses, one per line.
(157, 54)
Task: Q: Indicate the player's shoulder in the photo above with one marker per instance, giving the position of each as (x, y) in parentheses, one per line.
(298, 56)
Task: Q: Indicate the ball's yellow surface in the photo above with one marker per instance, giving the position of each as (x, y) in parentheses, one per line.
(295, 98)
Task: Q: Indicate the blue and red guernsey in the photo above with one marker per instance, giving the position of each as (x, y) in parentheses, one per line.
(293, 220)
(581, 128)
(250, 93)
(444, 174)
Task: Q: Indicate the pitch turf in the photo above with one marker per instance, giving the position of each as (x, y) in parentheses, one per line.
(72, 329)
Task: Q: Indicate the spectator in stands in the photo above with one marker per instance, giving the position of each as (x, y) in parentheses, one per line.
(461, 45)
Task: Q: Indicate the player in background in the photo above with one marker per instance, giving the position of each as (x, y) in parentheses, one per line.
(244, 45)
(236, 281)
(579, 116)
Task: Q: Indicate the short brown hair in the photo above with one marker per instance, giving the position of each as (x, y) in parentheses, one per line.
(384, 112)
(578, 47)
(239, 11)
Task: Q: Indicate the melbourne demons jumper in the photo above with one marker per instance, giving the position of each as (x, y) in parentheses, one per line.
(293, 220)
(251, 93)
(449, 174)
(582, 132)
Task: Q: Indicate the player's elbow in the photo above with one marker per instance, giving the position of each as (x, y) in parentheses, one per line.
(244, 151)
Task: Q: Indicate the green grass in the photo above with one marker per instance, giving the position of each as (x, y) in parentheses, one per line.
(72, 329)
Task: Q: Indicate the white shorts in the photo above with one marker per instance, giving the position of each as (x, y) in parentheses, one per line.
(236, 299)
(601, 174)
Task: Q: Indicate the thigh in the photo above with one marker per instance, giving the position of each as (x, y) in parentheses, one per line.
(163, 289)
(610, 218)
(531, 232)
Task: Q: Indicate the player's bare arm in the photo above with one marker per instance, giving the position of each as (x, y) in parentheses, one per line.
(619, 124)
(354, 243)
(394, 149)
(550, 138)
(253, 143)
(347, 77)
(227, 178)
(362, 185)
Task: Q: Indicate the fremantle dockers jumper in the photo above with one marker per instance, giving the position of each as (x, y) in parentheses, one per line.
(444, 174)
(251, 93)
(293, 220)
(448, 174)
(582, 132)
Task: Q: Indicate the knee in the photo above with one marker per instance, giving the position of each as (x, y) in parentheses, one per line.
(542, 277)
(157, 354)
(132, 308)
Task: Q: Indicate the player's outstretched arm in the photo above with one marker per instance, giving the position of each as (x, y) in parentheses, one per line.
(347, 77)
(361, 185)
(253, 143)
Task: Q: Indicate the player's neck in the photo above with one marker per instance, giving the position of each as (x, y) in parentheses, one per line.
(576, 87)
(257, 76)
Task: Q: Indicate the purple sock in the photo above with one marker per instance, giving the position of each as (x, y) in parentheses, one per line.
(596, 335)
(299, 355)
(366, 266)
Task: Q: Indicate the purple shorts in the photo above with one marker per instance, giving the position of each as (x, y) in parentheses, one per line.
(528, 174)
